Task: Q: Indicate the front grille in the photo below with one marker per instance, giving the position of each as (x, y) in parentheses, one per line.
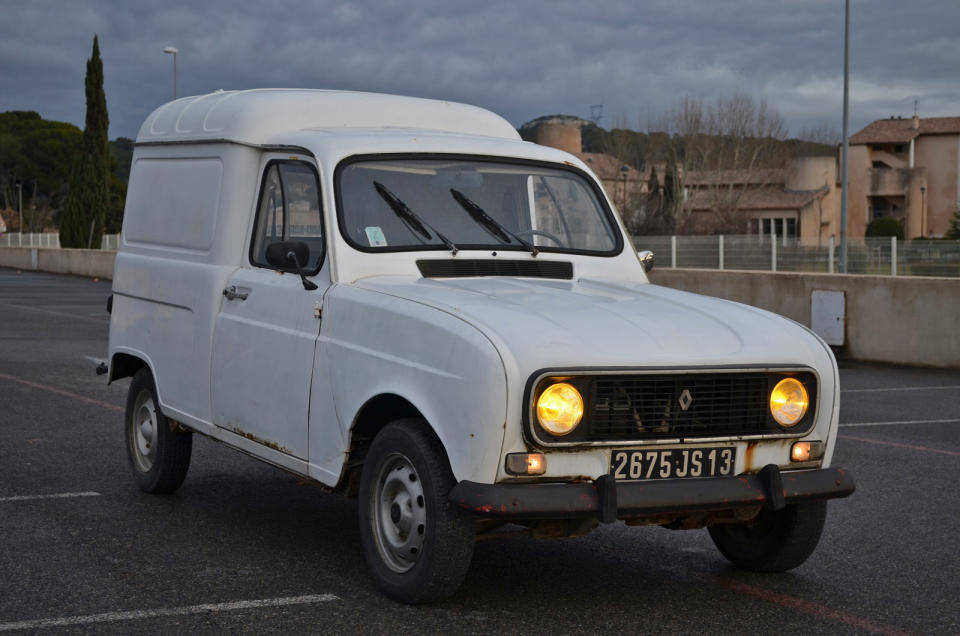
(652, 406)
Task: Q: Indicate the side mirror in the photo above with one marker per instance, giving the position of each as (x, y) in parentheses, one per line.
(646, 259)
(290, 256)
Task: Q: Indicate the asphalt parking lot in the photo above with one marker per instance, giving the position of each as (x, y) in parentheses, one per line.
(243, 547)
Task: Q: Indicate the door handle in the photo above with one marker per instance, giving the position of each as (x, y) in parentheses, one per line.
(236, 293)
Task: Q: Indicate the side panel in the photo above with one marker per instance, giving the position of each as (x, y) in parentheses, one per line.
(376, 343)
(186, 219)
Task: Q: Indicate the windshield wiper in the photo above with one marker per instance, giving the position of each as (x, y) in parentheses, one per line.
(490, 224)
(411, 218)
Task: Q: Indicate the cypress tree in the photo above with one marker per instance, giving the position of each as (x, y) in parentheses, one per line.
(81, 224)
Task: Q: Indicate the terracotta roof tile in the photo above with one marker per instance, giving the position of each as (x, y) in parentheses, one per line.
(887, 131)
(763, 198)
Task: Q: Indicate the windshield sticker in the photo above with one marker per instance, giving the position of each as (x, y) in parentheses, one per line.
(375, 236)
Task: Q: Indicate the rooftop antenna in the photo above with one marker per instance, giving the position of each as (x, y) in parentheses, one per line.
(596, 113)
(915, 107)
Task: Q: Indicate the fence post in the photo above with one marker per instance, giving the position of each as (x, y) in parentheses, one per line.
(673, 251)
(893, 255)
(830, 256)
(721, 251)
(773, 252)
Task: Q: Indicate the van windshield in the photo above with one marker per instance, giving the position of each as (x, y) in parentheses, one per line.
(393, 204)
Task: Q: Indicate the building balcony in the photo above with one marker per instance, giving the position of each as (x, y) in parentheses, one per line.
(889, 181)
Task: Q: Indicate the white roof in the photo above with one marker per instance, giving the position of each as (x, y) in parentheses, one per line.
(260, 116)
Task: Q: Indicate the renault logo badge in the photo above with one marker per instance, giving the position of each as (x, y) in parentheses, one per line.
(685, 400)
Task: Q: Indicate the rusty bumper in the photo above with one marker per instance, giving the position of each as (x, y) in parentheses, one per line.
(609, 500)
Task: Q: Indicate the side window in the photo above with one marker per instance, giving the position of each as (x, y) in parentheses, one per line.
(289, 210)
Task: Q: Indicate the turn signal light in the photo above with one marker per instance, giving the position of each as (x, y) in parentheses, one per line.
(806, 451)
(526, 464)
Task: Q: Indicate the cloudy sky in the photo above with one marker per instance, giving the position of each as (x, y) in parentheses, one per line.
(521, 59)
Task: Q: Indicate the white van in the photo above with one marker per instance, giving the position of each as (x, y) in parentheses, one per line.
(401, 300)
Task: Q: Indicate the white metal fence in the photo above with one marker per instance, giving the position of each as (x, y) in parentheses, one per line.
(50, 239)
(879, 256)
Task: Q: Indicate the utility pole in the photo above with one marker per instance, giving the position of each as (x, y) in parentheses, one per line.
(843, 158)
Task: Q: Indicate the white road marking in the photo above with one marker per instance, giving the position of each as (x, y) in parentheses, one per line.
(852, 424)
(59, 495)
(54, 312)
(902, 388)
(171, 611)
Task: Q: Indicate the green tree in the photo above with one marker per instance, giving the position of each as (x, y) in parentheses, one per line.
(83, 218)
(953, 232)
(37, 154)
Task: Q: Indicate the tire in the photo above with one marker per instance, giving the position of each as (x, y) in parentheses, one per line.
(776, 541)
(417, 543)
(158, 456)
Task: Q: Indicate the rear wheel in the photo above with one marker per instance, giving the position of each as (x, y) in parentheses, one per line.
(159, 456)
(776, 541)
(417, 543)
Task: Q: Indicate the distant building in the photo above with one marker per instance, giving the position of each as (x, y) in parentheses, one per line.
(622, 182)
(908, 169)
(796, 202)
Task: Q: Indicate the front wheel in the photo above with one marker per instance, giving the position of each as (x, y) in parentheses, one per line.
(158, 454)
(417, 543)
(776, 541)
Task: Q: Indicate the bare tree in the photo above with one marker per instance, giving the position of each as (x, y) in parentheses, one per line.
(721, 152)
(822, 133)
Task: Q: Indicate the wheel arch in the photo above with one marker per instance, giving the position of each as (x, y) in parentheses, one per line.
(376, 413)
(126, 365)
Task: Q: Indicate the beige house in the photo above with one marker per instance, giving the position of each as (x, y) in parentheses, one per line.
(797, 201)
(908, 169)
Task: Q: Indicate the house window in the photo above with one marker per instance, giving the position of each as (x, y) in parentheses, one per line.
(898, 149)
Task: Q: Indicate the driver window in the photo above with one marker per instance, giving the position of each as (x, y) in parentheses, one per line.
(289, 210)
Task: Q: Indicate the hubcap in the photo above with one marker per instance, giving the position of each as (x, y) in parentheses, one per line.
(143, 436)
(400, 513)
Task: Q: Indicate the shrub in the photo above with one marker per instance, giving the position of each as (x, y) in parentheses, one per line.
(885, 226)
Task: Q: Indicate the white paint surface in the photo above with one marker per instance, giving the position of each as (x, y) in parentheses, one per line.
(59, 495)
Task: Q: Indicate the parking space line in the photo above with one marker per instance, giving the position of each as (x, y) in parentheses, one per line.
(808, 607)
(899, 445)
(51, 389)
(899, 423)
(59, 495)
(99, 321)
(902, 388)
(171, 611)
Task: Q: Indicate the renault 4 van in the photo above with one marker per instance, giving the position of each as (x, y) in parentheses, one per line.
(401, 300)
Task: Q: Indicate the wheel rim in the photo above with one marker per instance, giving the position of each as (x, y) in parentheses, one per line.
(143, 432)
(399, 513)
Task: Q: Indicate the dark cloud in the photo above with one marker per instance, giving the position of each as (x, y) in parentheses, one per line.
(520, 59)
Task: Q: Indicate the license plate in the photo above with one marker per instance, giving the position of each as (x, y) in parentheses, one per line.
(673, 463)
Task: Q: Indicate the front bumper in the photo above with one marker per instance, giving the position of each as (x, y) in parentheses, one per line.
(608, 500)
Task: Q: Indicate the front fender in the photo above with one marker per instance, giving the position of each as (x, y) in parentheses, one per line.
(445, 367)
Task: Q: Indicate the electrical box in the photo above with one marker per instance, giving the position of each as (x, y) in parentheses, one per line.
(828, 316)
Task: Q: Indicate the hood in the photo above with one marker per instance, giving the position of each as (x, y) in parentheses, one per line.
(544, 323)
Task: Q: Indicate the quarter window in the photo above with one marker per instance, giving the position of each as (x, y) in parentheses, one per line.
(289, 210)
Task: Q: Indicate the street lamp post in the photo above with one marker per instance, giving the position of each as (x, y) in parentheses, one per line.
(843, 157)
(20, 207)
(923, 210)
(173, 51)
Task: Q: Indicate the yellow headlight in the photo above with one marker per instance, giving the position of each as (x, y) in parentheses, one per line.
(560, 408)
(788, 402)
